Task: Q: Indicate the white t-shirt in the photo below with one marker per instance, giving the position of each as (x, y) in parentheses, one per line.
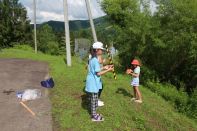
(137, 70)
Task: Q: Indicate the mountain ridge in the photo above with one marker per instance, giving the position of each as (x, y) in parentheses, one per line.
(75, 25)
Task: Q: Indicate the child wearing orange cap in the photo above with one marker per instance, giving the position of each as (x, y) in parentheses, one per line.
(135, 80)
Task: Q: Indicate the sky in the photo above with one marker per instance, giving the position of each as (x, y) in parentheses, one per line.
(53, 9)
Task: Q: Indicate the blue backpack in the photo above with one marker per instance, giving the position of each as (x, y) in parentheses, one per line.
(49, 83)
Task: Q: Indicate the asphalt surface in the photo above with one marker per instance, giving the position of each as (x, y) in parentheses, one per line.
(17, 75)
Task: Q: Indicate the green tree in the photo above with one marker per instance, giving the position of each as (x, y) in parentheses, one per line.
(132, 26)
(14, 24)
(166, 42)
(47, 40)
(61, 41)
(174, 51)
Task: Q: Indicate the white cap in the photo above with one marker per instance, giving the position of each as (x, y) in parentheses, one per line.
(98, 45)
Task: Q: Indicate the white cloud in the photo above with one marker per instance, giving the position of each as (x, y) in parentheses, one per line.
(53, 9)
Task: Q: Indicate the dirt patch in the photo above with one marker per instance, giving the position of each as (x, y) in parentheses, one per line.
(17, 75)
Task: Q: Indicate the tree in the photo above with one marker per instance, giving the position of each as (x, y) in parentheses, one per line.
(14, 24)
(166, 42)
(132, 26)
(47, 40)
(175, 43)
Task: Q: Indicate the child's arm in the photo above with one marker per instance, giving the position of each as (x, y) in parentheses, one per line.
(106, 67)
(134, 74)
(110, 68)
(130, 72)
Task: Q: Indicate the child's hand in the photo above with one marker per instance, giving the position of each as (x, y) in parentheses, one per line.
(106, 67)
(111, 68)
(129, 71)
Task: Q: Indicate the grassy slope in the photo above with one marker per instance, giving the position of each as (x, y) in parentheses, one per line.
(69, 110)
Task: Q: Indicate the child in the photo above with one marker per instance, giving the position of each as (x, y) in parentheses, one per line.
(89, 57)
(93, 81)
(101, 61)
(135, 81)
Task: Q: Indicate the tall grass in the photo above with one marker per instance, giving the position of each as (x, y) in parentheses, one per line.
(180, 100)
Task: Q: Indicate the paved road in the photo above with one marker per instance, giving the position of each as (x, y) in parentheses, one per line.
(20, 74)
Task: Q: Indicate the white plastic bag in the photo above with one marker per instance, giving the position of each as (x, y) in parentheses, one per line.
(31, 94)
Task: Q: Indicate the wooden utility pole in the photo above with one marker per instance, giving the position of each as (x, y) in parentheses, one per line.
(91, 20)
(67, 33)
(35, 35)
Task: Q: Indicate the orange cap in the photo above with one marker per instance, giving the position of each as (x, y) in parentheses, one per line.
(135, 62)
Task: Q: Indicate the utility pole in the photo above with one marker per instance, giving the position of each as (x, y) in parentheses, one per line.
(35, 35)
(91, 20)
(67, 33)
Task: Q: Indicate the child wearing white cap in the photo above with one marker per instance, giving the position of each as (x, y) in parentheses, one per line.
(93, 80)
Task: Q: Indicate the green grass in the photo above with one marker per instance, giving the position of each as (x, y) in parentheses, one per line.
(69, 110)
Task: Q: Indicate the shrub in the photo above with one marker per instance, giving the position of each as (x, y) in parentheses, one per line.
(192, 105)
(24, 47)
(52, 48)
(147, 74)
(169, 92)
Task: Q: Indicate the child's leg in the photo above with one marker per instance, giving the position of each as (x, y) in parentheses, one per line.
(94, 100)
(139, 96)
(100, 91)
(134, 92)
(99, 94)
(94, 105)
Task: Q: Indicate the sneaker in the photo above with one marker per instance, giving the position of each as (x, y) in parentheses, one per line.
(97, 118)
(100, 103)
(138, 101)
(133, 99)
